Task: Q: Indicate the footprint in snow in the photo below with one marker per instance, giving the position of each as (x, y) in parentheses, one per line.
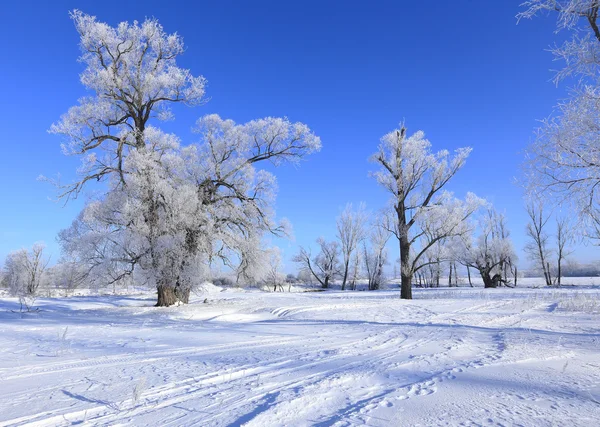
(423, 389)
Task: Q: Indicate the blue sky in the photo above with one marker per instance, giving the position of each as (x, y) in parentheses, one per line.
(462, 71)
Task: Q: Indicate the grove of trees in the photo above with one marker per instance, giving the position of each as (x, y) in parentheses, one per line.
(168, 210)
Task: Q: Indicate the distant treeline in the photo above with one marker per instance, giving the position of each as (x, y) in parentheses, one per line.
(572, 269)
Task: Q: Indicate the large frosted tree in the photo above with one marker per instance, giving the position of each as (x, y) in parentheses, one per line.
(170, 210)
(414, 176)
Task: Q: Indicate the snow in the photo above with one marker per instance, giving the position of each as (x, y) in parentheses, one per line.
(463, 356)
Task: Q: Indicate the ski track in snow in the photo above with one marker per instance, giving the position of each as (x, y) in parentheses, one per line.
(324, 359)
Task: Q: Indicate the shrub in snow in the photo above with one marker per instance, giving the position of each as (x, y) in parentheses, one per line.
(23, 273)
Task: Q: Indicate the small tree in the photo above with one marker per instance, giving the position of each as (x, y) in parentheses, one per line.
(375, 257)
(274, 276)
(325, 266)
(489, 251)
(564, 238)
(67, 275)
(356, 262)
(23, 273)
(432, 270)
(537, 247)
(305, 276)
(350, 232)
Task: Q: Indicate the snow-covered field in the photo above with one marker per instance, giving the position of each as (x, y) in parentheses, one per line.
(450, 357)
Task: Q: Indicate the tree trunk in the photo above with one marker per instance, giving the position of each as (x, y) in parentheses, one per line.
(346, 265)
(488, 281)
(185, 296)
(166, 296)
(406, 287)
(405, 269)
(469, 275)
(496, 280)
(450, 277)
(455, 275)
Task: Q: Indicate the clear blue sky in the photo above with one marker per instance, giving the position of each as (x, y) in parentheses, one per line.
(462, 71)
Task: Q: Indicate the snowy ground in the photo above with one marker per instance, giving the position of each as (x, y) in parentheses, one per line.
(450, 357)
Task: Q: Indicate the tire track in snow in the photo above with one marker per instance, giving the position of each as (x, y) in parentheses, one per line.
(137, 357)
(194, 388)
(370, 351)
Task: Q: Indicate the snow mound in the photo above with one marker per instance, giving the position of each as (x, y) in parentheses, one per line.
(208, 288)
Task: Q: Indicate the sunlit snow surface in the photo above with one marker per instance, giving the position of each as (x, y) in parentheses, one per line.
(450, 357)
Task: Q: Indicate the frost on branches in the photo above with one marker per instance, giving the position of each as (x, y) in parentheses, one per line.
(182, 208)
(170, 210)
(350, 232)
(325, 266)
(375, 257)
(563, 161)
(491, 253)
(23, 273)
(415, 177)
(133, 72)
(580, 54)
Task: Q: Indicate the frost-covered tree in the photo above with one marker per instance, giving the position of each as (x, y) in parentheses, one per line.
(274, 276)
(563, 161)
(305, 276)
(537, 248)
(439, 226)
(431, 271)
(350, 232)
(67, 275)
(325, 266)
(170, 210)
(355, 271)
(565, 237)
(375, 255)
(415, 176)
(504, 233)
(489, 251)
(133, 75)
(23, 273)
